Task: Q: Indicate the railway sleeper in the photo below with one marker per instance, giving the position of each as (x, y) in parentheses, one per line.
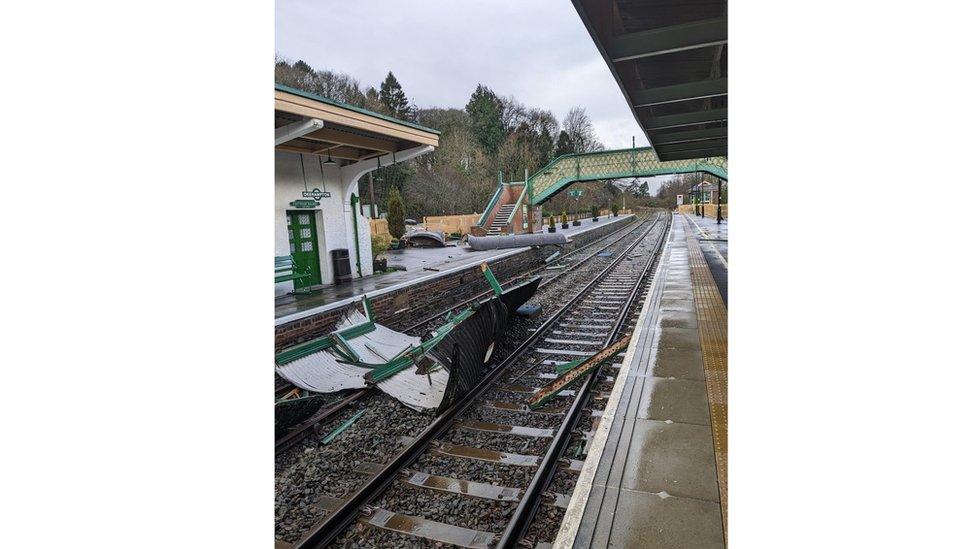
(480, 490)
(517, 430)
(516, 407)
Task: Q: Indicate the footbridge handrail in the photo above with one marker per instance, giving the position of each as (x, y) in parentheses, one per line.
(518, 202)
(614, 164)
(491, 204)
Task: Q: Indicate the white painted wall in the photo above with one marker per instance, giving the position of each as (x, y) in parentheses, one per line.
(333, 217)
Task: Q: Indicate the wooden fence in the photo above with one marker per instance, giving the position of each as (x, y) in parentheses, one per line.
(451, 223)
(447, 223)
(710, 210)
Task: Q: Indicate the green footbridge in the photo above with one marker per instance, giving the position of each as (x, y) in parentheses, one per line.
(500, 213)
(616, 164)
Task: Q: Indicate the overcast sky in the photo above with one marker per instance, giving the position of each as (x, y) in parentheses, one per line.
(439, 50)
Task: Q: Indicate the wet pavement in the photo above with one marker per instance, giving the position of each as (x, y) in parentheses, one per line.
(651, 478)
(419, 264)
(714, 241)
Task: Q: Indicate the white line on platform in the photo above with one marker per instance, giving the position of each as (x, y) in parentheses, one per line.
(710, 244)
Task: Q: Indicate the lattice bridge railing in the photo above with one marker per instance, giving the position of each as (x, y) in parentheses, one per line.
(616, 164)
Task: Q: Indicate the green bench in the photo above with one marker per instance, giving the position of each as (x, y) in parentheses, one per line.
(285, 270)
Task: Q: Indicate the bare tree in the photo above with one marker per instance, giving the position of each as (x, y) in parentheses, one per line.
(579, 128)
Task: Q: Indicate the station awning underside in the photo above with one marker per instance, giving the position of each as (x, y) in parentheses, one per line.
(670, 59)
(307, 123)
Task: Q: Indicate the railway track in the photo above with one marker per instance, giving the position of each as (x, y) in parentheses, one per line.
(478, 473)
(579, 270)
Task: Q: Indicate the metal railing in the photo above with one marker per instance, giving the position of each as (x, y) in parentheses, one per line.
(615, 164)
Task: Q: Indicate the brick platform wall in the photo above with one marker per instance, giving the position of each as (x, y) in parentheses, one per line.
(403, 307)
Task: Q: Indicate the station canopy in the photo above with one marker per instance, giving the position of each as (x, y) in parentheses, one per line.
(311, 124)
(670, 59)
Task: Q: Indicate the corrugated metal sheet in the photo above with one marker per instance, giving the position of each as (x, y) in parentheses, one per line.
(425, 239)
(321, 373)
(466, 347)
(460, 355)
(515, 297)
(414, 390)
(379, 346)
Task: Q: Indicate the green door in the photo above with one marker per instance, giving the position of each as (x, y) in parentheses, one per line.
(304, 243)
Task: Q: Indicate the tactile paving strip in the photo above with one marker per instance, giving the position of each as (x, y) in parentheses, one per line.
(713, 332)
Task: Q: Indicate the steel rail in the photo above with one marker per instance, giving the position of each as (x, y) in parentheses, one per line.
(300, 431)
(519, 524)
(330, 527)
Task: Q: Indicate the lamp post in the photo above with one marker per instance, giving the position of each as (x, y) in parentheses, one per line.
(718, 204)
(701, 194)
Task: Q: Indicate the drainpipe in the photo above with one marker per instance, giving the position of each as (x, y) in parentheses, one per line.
(355, 230)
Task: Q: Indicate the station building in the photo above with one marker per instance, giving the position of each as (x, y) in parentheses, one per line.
(322, 149)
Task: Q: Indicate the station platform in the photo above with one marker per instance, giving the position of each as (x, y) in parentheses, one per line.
(420, 264)
(656, 473)
(713, 239)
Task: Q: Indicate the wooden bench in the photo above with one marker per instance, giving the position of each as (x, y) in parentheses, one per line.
(285, 270)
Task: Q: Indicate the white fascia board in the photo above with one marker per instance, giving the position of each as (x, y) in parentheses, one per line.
(297, 129)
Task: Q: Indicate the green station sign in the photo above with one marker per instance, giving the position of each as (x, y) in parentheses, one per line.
(303, 204)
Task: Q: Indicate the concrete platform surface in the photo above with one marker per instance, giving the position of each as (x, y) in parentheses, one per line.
(420, 264)
(651, 478)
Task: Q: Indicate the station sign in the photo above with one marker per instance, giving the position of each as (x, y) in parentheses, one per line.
(316, 194)
(303, 204)
(576, 193)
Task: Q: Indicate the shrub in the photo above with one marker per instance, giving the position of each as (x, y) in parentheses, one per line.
(379, 243)
(595, 211)
(395, 214)
(615, 208)
(565, 219)
(552, 222)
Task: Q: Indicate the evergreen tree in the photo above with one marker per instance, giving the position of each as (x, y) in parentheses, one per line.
(392, 95)
(395, 215)
(564, 145)
(485, 111)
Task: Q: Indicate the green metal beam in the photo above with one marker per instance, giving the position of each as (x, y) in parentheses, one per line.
(690, 135)
(681, 92)
(692, 145)
(697, 34)
(492, 281)
(696, 154)
(355, 232)
(687, 119)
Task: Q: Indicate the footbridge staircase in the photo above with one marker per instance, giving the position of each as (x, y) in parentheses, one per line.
(511, 202)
